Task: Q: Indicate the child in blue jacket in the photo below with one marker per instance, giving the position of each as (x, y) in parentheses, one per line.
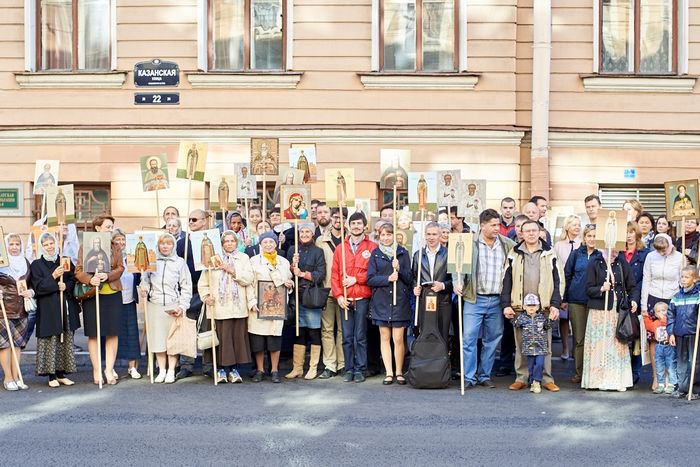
(681, 325)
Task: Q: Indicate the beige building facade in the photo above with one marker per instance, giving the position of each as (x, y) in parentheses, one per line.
(561, 100)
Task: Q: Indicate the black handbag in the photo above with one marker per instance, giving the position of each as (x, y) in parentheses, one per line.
(627, 328)
(315, 296)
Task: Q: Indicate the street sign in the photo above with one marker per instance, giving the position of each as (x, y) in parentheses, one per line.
(157, 73)
(156, 98)
(630, 173)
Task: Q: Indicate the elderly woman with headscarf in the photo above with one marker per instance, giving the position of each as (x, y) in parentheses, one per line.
(168, 291)
(15, 299)
(272, 271)
(174, 227)
(129, 347)
(228, 294)
(309, 265)
(55, 325)
(660, 282)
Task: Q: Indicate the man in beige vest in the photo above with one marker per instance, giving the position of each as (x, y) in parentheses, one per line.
(532, 268)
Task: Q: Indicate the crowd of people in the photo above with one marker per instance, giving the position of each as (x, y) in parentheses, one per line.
(524, 285)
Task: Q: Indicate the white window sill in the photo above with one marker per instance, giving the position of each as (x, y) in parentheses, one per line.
(432, 81)
(58, 80)
(245, 80)
(621, 83)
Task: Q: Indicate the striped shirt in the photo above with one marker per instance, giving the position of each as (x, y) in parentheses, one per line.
(490, 268)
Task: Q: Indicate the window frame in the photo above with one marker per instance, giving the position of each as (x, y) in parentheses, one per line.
(675, 49)
(246, 40)
(457, 62)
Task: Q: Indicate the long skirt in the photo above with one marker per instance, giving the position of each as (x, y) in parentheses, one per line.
(234, 346)
(18, 331)
(158, 326)
(129, 345)
(110, 315)
(54, 356)
(606, 361)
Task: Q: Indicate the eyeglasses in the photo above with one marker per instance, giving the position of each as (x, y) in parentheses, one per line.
(195, 219)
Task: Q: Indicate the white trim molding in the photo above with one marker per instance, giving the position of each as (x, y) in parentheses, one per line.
(202, 35)
(289, 41)
(30, 35)
(655, 141)
(682, 84)
(431, 81)
(94, 80)
(245, 80)
(78, 136)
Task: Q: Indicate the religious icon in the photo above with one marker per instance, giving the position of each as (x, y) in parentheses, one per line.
(246, 183)
(60, 205)
(220, 191)
(191, 160)
(97, 252)
(303, 157)
(65, 263)
(611, 229)
(288, 176)
(405, 239)
(296, 201)
(45, 175)
(205, 245)
(340, 187)
(21, 286)
(459, 253)
(216, 261)
(272, 301)
(681, 199)
(34, 235)
(422, 191)
(363, 205)
(472, 197)
(154, 172)
(448, 187)
(393, 166)
(264, 156)
(141, 247)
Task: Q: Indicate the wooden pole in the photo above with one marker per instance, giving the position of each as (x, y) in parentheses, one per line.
(13, 357)
(189, 200)
(683, 263)
(608, 277)
(296, 278)
(420, 262)
(395, 246)
(461, 339)
(43, 205)
(692, 365)
(247, 217)
(213, 333)
(99, 333)
(342, 254)
(263, 204)
(60, 281)
(158, 210)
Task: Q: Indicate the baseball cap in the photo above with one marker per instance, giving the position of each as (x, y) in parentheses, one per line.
(531, 299)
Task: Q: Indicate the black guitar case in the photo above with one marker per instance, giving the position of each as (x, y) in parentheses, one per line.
(430, 364)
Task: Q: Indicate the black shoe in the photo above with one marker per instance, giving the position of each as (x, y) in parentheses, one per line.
(258, 376)
(183, 373)
(503, 372)
(327, 374)
(275, 377)
(348, 377)
(487, 384)
(469, 385)
(359, 378)
(209, 373)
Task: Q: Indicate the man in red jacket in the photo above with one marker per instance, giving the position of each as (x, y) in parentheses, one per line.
(358, 249)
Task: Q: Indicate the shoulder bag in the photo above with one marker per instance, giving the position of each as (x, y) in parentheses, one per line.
(205, 339)
(182, 337)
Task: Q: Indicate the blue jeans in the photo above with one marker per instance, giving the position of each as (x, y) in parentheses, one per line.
(355, 336)
(535, 366)
(665, 360)
(485, 316)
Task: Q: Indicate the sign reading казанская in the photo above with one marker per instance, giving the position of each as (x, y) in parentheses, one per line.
(156, 73)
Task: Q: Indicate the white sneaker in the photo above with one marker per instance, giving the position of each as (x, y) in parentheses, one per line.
(134, 373)
(234, 377)
(161, 377)
(536, 388)
(169, 377)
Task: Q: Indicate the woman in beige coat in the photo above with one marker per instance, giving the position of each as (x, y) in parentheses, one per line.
(228, 294)
(272, 271)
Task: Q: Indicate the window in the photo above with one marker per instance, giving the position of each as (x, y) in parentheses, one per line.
(651, 196)
(73, 35)
(91, 200)
(246, 35)
(419, 35)
(638, 36)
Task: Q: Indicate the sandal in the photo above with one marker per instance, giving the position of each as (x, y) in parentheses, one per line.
(388, 380)
(110, 382)
(400, 380)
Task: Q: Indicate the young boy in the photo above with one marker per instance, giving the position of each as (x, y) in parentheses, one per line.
(534, 325)
(665, 354)
(681, 324)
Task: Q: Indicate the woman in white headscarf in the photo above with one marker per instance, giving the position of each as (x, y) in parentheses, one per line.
(54, 355)
(15, 298)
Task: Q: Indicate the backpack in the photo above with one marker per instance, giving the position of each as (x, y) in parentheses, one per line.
(430, 365)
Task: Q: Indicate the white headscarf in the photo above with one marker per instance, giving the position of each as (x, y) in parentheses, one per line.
(18, 264)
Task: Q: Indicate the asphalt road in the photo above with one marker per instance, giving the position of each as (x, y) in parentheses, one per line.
(334, 423)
